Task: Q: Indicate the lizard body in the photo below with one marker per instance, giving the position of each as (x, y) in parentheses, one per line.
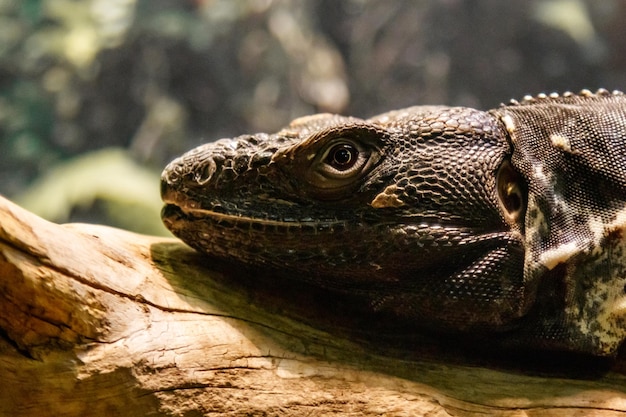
(510, 221)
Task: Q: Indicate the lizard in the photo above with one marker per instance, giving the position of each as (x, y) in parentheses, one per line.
(510, 221)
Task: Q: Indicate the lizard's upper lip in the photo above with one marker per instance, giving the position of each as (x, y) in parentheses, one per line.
(167, 191)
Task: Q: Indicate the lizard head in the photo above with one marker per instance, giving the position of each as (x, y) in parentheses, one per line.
(449, 217)
(417, 210)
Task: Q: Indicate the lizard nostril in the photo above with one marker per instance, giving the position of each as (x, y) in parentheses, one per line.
(206, 172)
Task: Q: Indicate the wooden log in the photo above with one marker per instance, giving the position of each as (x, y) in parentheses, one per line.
(99, 321)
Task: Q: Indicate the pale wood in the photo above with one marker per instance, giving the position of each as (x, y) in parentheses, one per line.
(98, 321)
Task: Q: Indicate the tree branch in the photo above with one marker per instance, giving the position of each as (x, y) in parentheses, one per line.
(99, 321)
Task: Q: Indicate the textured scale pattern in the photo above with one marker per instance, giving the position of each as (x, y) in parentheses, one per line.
(507, 222)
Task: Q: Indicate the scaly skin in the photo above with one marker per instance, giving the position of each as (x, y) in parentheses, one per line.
(507, 221)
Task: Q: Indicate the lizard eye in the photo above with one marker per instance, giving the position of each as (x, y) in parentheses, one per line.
(511, 192)
(334, 161)
(342, 160)
(342, 157)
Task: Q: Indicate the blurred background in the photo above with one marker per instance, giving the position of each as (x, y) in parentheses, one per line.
(96, 96)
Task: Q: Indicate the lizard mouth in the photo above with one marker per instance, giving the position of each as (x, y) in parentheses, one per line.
(178, 219)
(172, 212)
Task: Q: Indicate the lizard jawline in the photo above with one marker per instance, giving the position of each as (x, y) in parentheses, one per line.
(173, 213)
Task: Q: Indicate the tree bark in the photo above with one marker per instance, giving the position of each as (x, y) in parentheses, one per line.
(99, 321)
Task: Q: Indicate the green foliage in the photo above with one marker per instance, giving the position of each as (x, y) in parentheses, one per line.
(111, 179)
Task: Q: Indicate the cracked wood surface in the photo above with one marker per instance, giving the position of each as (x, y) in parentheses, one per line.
(100, 321)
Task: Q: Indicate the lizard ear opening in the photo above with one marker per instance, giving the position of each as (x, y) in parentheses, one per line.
(512, 192)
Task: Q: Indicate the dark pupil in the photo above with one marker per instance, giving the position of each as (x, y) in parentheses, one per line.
(342, 156)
